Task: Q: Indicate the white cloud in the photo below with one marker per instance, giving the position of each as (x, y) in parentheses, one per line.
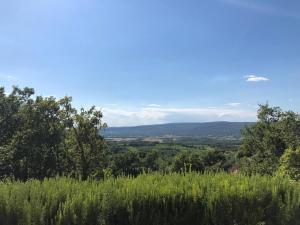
(50, 96)
(11, 77)
(255, 78)
(153, 105)
(8, 77)
(234, 104)
(155, 115)
(124, 117)
(113, 104)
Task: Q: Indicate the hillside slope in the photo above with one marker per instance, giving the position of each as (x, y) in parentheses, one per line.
(209, 129)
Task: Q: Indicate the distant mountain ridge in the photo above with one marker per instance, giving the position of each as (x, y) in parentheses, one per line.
(208, 129)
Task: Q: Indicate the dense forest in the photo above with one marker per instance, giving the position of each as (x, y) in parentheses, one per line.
(184, 181)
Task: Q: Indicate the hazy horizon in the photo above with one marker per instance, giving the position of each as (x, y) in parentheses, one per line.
(158, 124)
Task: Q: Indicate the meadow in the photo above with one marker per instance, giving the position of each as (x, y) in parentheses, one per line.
(152, 199)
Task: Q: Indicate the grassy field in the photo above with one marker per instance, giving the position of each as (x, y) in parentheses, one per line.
(152, 199)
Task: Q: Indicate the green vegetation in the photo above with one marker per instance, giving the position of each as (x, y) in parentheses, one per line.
(44, 137)
(134, 157)
(164, 181)
(265, 142)
(152, 199)
(289, 165)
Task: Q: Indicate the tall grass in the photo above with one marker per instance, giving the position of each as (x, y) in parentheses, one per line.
(152, 199)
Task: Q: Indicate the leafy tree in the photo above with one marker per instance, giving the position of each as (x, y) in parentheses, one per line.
(188, 160)
(213, 160)
(35, 146)
(290, 123)
(85, 145)
(9, 109)
(37, 136)
(265, 142)
(290, 164)
(31, 135)
(127, 163)
(265, 164)
(151, 160)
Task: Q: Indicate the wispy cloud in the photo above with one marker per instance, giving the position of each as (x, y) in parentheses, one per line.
(234, 104)
(261, 8)
(7, 77)
(255, 78)
(153, 105)
(158, 115)
(50, 96)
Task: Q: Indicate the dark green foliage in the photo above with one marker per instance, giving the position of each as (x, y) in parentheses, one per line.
(152, 199)
(210, 160)
(152, 160)
(289, 165)
(132, 157)
(84, 143)
(44, 137)
(266, 141)
(127, 163)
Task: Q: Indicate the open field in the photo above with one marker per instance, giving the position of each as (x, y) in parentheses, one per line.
(152, 199)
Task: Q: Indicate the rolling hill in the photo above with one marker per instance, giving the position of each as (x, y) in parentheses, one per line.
(209, 129)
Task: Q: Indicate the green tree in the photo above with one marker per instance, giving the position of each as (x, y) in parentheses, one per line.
(265, 141)
(38, 135)
(188, 160)
(10, 105)
(151, 160)
(290, 164)
(127, 163)
(36, 144)
(31, 135)
(213, 160)
(84, 142)
(9, 123)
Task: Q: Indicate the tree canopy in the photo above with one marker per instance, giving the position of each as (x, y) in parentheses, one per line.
(267, 140)
(44, 137)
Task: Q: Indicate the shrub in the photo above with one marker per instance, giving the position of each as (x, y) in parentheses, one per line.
(152, 199)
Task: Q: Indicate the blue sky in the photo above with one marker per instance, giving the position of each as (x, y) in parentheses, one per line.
(157, 61)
